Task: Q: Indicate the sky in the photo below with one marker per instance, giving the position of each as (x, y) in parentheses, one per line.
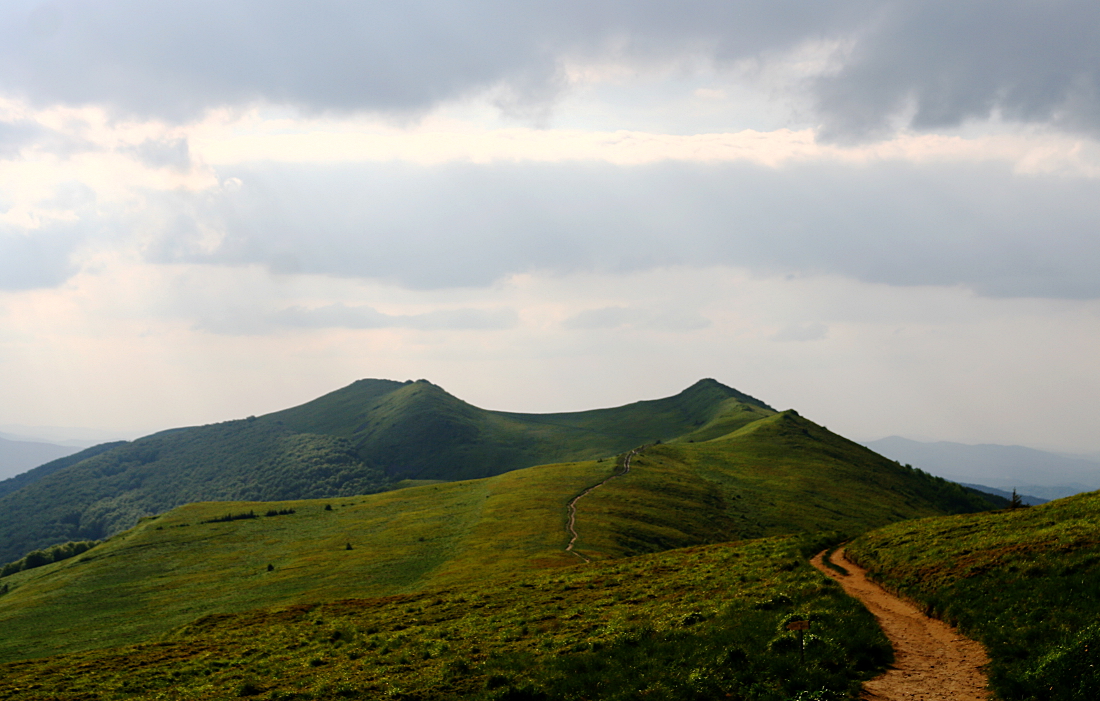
(884, 214)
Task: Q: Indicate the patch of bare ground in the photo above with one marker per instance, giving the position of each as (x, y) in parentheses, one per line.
(933, 661)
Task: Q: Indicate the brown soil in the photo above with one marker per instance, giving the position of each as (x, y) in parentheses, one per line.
(933, 661)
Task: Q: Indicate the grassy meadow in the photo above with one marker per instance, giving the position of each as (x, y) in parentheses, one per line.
(695, 623)
(781, 474)
(171, 569)
(1025, 582)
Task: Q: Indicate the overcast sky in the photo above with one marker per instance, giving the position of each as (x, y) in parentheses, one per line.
(883, 214)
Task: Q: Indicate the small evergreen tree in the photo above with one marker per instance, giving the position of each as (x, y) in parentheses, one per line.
(1016, 502)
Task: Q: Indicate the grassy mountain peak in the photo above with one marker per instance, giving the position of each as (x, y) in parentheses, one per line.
(360, 439)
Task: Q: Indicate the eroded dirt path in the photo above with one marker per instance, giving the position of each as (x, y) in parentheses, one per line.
(572, 524)
(933, 661)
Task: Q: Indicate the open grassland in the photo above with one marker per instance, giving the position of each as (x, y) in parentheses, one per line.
(698, 623)
(780, 474)
(171, 569)
(1025, 582)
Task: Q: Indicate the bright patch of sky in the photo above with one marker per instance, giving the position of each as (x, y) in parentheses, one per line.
(883, 214)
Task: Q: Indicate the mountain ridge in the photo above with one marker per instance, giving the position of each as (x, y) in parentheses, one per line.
(363, 438)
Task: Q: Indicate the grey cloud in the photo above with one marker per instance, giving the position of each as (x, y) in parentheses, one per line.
(163, 153)
(982, 227)
(244, 318)
(608, 318)
(176, 59)
(39, 258)
(47, 256)
(14, 136)
(952, 60)
(363, 317)
(22, 134)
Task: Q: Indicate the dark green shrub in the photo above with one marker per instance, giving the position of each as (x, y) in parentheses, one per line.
(231, 517)
(54, 553)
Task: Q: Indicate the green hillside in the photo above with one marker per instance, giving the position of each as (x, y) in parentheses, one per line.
(699, 623)
(777, 475)
(781, 474)
(419, 431)
(358, 440)
(1025, 582)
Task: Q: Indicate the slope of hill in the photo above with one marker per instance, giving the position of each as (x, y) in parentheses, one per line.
(1023, 582)
(699, 623)
(781, 474)
(1007, 467)
(19, 456)
(357, 440)
(416, 430)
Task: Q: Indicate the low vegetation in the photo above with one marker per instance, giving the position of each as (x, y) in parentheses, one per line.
(40, 558)
(778, 475)
(332, 551)
(698, 623)
(1024, 582)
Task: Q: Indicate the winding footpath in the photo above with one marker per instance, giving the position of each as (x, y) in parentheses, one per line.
(572, 525)
(933, 661)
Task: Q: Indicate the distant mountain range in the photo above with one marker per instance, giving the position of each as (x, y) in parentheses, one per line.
(1003, 467)
(18, 456)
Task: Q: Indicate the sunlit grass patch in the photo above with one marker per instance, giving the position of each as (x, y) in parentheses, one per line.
(695, 623)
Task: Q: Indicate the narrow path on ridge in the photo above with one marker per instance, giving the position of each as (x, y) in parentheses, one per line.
(572, 525)
(932, 660)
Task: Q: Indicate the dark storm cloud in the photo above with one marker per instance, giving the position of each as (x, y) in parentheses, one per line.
(983, 227)
(947, 60)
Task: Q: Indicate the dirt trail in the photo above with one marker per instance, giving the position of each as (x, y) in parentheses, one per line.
(572, 525)
(933, 662)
